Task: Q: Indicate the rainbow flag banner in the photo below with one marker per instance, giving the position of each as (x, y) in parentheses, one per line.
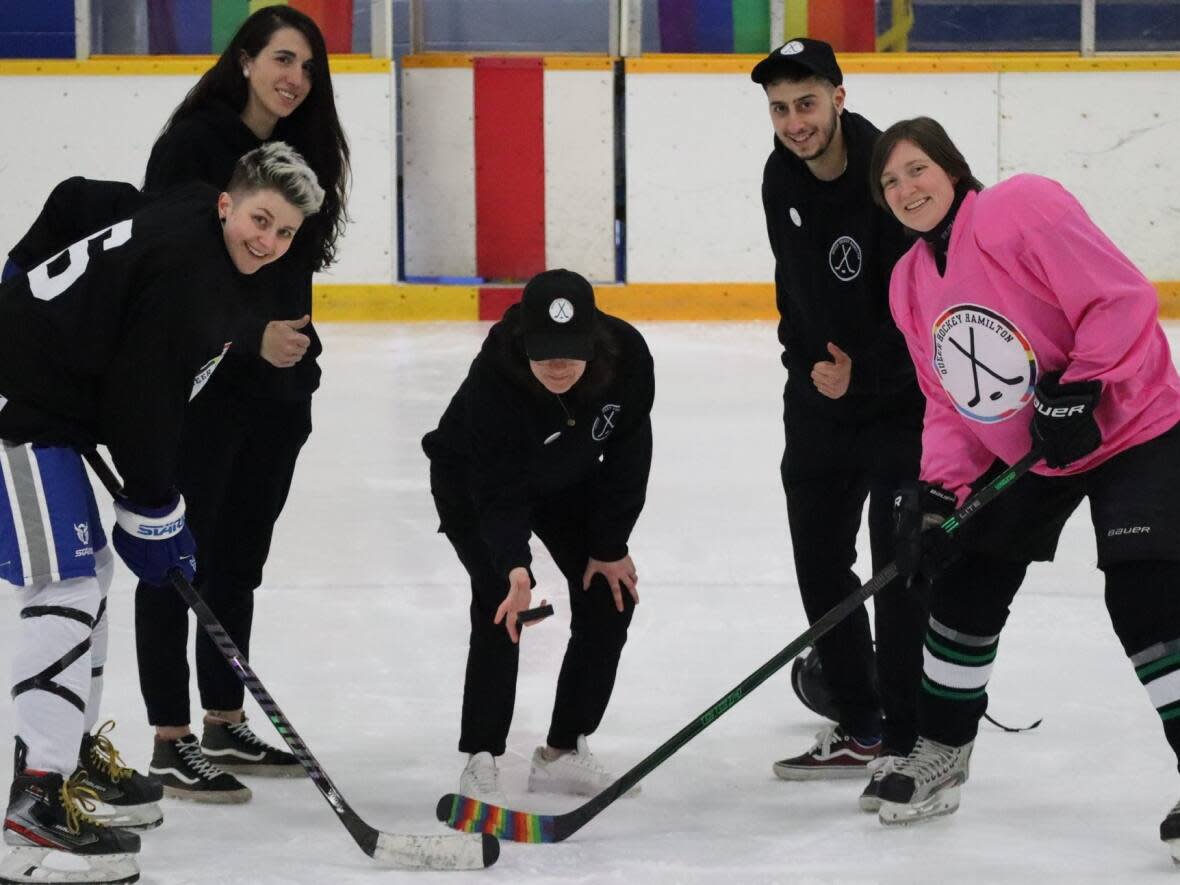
(205, 27)
(720, 26)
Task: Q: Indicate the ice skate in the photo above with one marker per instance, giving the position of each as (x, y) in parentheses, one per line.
(481, 780)
(54, 840)
(925, 784)
(833, 755)
(127, 799)
(879, 768)
(1170, 832)
(578, 773)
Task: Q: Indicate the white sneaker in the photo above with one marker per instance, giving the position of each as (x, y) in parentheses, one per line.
(577, 773)
(481, 780)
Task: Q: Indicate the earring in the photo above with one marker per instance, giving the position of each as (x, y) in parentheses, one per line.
(246, 73)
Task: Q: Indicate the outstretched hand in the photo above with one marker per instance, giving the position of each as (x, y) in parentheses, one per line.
(619, 574)
(519, 598)
(832, 378)
(283, 345)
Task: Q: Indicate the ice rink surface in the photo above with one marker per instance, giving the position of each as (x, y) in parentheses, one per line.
(361, 630)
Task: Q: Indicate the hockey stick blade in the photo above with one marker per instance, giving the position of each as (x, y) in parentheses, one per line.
(391, 850)
(472, 816)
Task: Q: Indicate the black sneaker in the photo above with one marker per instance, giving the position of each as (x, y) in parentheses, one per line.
(234, 747)
(48, 813)
(186, 774)
(128, 797)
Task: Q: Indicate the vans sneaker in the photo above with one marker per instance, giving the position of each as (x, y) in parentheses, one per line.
(233, 746)
(186, 774)
(834, 755)
(577, 772)
(481, 780)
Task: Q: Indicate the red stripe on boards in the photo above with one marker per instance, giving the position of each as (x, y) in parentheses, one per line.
(493, 301)
(509, 168)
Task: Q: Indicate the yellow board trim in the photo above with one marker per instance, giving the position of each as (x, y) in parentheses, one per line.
(166, 65)
(400, 303)
(914, 63)
(637, 302)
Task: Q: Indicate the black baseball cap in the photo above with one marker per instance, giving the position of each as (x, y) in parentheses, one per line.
(814, 56)
(558, 316)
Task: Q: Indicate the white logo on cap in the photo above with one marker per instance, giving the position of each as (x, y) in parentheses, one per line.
(560, 310)
(792, 48)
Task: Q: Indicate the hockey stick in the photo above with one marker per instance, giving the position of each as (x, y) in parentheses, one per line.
(473, 816)
(402, 852)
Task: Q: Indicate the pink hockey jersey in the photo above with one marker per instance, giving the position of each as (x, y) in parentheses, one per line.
(1031, 286)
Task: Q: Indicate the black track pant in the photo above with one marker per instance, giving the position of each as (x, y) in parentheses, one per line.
(829, 470)
(237, 459)
(598, 632)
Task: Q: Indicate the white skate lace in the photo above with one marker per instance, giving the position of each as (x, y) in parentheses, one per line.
(927, 761)
(190, 752)
(882, 766)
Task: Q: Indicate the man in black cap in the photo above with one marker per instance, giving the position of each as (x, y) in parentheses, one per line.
(852, 408)
(549, 434)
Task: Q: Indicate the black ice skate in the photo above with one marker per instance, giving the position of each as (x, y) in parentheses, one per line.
(925, 783)
(232, 746)
(48, 817)
(128, 799)
(1170, 832)
(186, 774)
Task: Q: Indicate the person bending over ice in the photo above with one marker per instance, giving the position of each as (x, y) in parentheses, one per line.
(550, 433)
(104, 344)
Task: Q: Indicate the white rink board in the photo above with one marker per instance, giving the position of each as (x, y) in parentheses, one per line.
(580, 172)
(104, 126)
(438, 176)
(1114, 141)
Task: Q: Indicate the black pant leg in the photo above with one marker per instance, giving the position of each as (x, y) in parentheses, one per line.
(489, 687)
(824, 511)
(260, 480)
(598, 630)
(209, 444)
(900, 611)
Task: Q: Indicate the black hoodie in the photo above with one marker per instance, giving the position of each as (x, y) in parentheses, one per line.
(205, 146)
(505, 442)
(834, 251)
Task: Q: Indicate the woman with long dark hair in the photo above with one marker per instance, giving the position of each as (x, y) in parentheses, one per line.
(243, 436)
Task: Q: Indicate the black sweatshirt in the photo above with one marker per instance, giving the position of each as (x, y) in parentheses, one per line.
(834, 251)
(205, 146)
(504, 442)
(107, 342)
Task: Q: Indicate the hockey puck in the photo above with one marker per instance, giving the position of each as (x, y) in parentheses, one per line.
(533, 614)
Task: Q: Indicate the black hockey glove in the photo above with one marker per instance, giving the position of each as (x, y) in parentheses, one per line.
(921, 546)
(1063, 425)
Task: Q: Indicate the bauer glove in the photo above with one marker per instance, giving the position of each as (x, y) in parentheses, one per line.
(1063, 425)
(920, 545)
(154, 540)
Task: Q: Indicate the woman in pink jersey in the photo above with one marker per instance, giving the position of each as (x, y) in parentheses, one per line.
(1027, 326)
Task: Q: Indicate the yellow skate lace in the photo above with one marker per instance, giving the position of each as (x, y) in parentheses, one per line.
(79, 801)
(104, 755)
